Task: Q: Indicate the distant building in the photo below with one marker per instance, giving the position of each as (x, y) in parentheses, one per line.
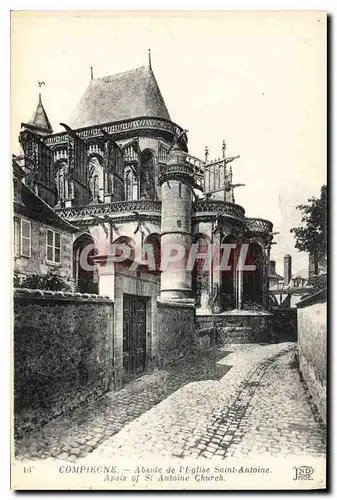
(274, 277)
(287, 290)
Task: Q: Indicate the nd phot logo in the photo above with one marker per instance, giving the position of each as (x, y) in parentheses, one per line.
(303, 473)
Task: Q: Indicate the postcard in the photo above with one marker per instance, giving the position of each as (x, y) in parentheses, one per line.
(169, 216)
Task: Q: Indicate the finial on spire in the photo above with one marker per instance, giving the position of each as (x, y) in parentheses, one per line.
(91, 72)
(150, 59)
(206, 154)
(40, 85)
(224, 147)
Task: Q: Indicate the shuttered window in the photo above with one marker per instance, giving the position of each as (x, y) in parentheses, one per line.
(26, 234)
(53, 246)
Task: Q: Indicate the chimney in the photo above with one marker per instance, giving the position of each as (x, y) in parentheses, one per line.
(272, 267)
(287, 269)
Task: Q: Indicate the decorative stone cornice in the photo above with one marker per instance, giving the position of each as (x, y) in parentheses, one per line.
(150, 207)
(125, 211)
(259, 225)
(217, 207)
(176, 171)
(116, 128)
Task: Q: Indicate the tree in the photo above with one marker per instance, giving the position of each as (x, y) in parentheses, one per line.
(311, 235)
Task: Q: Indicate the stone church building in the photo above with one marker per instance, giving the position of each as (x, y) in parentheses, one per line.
(121, 172)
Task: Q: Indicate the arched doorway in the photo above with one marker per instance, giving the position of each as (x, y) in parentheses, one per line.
(153, 240)
(253, 280)
(85, 277)
(125, 241)
(228, 296)
(201, 273)
(147, 176)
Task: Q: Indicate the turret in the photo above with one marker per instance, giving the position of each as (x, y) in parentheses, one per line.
(176, 183)
(39, 123)
(36, 156)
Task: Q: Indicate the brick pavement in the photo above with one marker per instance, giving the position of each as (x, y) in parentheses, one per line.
(73, 435)
(259, 407)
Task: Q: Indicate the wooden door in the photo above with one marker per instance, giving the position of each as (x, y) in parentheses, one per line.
(134, 336)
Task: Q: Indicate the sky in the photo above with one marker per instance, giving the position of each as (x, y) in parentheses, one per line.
(255, 79)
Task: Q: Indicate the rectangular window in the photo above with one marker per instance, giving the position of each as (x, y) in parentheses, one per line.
(25, 243)
(53, 246)
(16, 237)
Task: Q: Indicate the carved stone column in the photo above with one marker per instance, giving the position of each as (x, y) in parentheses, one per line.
(238, 277)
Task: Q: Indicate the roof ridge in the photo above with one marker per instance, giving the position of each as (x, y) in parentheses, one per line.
(122, 96)
(120, 73)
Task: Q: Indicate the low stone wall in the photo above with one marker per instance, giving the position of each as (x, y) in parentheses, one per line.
(234, 327)
(176, 332)
(63, 353)
(312, 347)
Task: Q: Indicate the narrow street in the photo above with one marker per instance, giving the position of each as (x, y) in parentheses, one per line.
(241, 400)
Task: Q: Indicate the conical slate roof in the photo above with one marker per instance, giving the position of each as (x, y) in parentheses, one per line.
(122, 96)
(40, 119)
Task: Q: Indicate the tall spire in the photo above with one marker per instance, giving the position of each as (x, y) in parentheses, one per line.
(40, 119)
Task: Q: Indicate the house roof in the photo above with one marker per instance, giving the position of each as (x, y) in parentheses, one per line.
(276, 276)
(34, 207)
(40, 119)
(123, 96)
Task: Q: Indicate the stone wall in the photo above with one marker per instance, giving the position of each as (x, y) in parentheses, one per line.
(176, 332)
(312, 347)
(63, 353)
(234, 327)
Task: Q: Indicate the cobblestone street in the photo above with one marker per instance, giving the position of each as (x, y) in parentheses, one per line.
(75, 434)
(242, 401)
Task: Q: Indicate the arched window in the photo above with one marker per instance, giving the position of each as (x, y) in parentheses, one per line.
(147, 176)
(128, 185)
(61, 180)
(130, 182)
(96, 180)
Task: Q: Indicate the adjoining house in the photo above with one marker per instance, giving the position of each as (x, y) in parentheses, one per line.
(43, 241)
